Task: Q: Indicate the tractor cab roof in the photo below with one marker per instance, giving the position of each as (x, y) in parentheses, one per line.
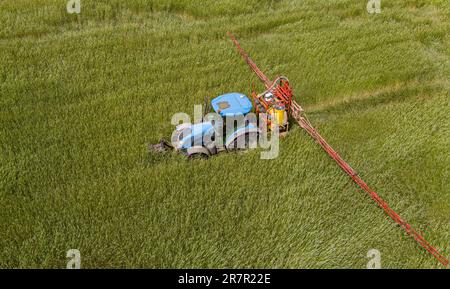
(232, 104)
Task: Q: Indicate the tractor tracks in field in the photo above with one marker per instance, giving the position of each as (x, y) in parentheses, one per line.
(382, 95)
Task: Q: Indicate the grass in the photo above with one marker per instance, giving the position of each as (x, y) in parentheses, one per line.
(82, 95)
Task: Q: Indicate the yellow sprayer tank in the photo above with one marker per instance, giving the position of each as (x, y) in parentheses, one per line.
(277, 114)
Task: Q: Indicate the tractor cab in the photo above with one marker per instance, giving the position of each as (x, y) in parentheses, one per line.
(232, 104)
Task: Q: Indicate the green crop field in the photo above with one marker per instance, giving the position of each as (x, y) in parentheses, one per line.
(81, 96)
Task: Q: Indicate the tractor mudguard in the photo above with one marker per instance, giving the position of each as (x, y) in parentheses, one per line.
(240, 132)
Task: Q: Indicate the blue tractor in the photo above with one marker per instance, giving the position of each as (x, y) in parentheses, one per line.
(212, 136)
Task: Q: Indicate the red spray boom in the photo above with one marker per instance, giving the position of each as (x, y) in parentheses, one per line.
(296, 113)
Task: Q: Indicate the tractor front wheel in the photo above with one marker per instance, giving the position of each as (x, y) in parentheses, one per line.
(197, 156)
(197, 152)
